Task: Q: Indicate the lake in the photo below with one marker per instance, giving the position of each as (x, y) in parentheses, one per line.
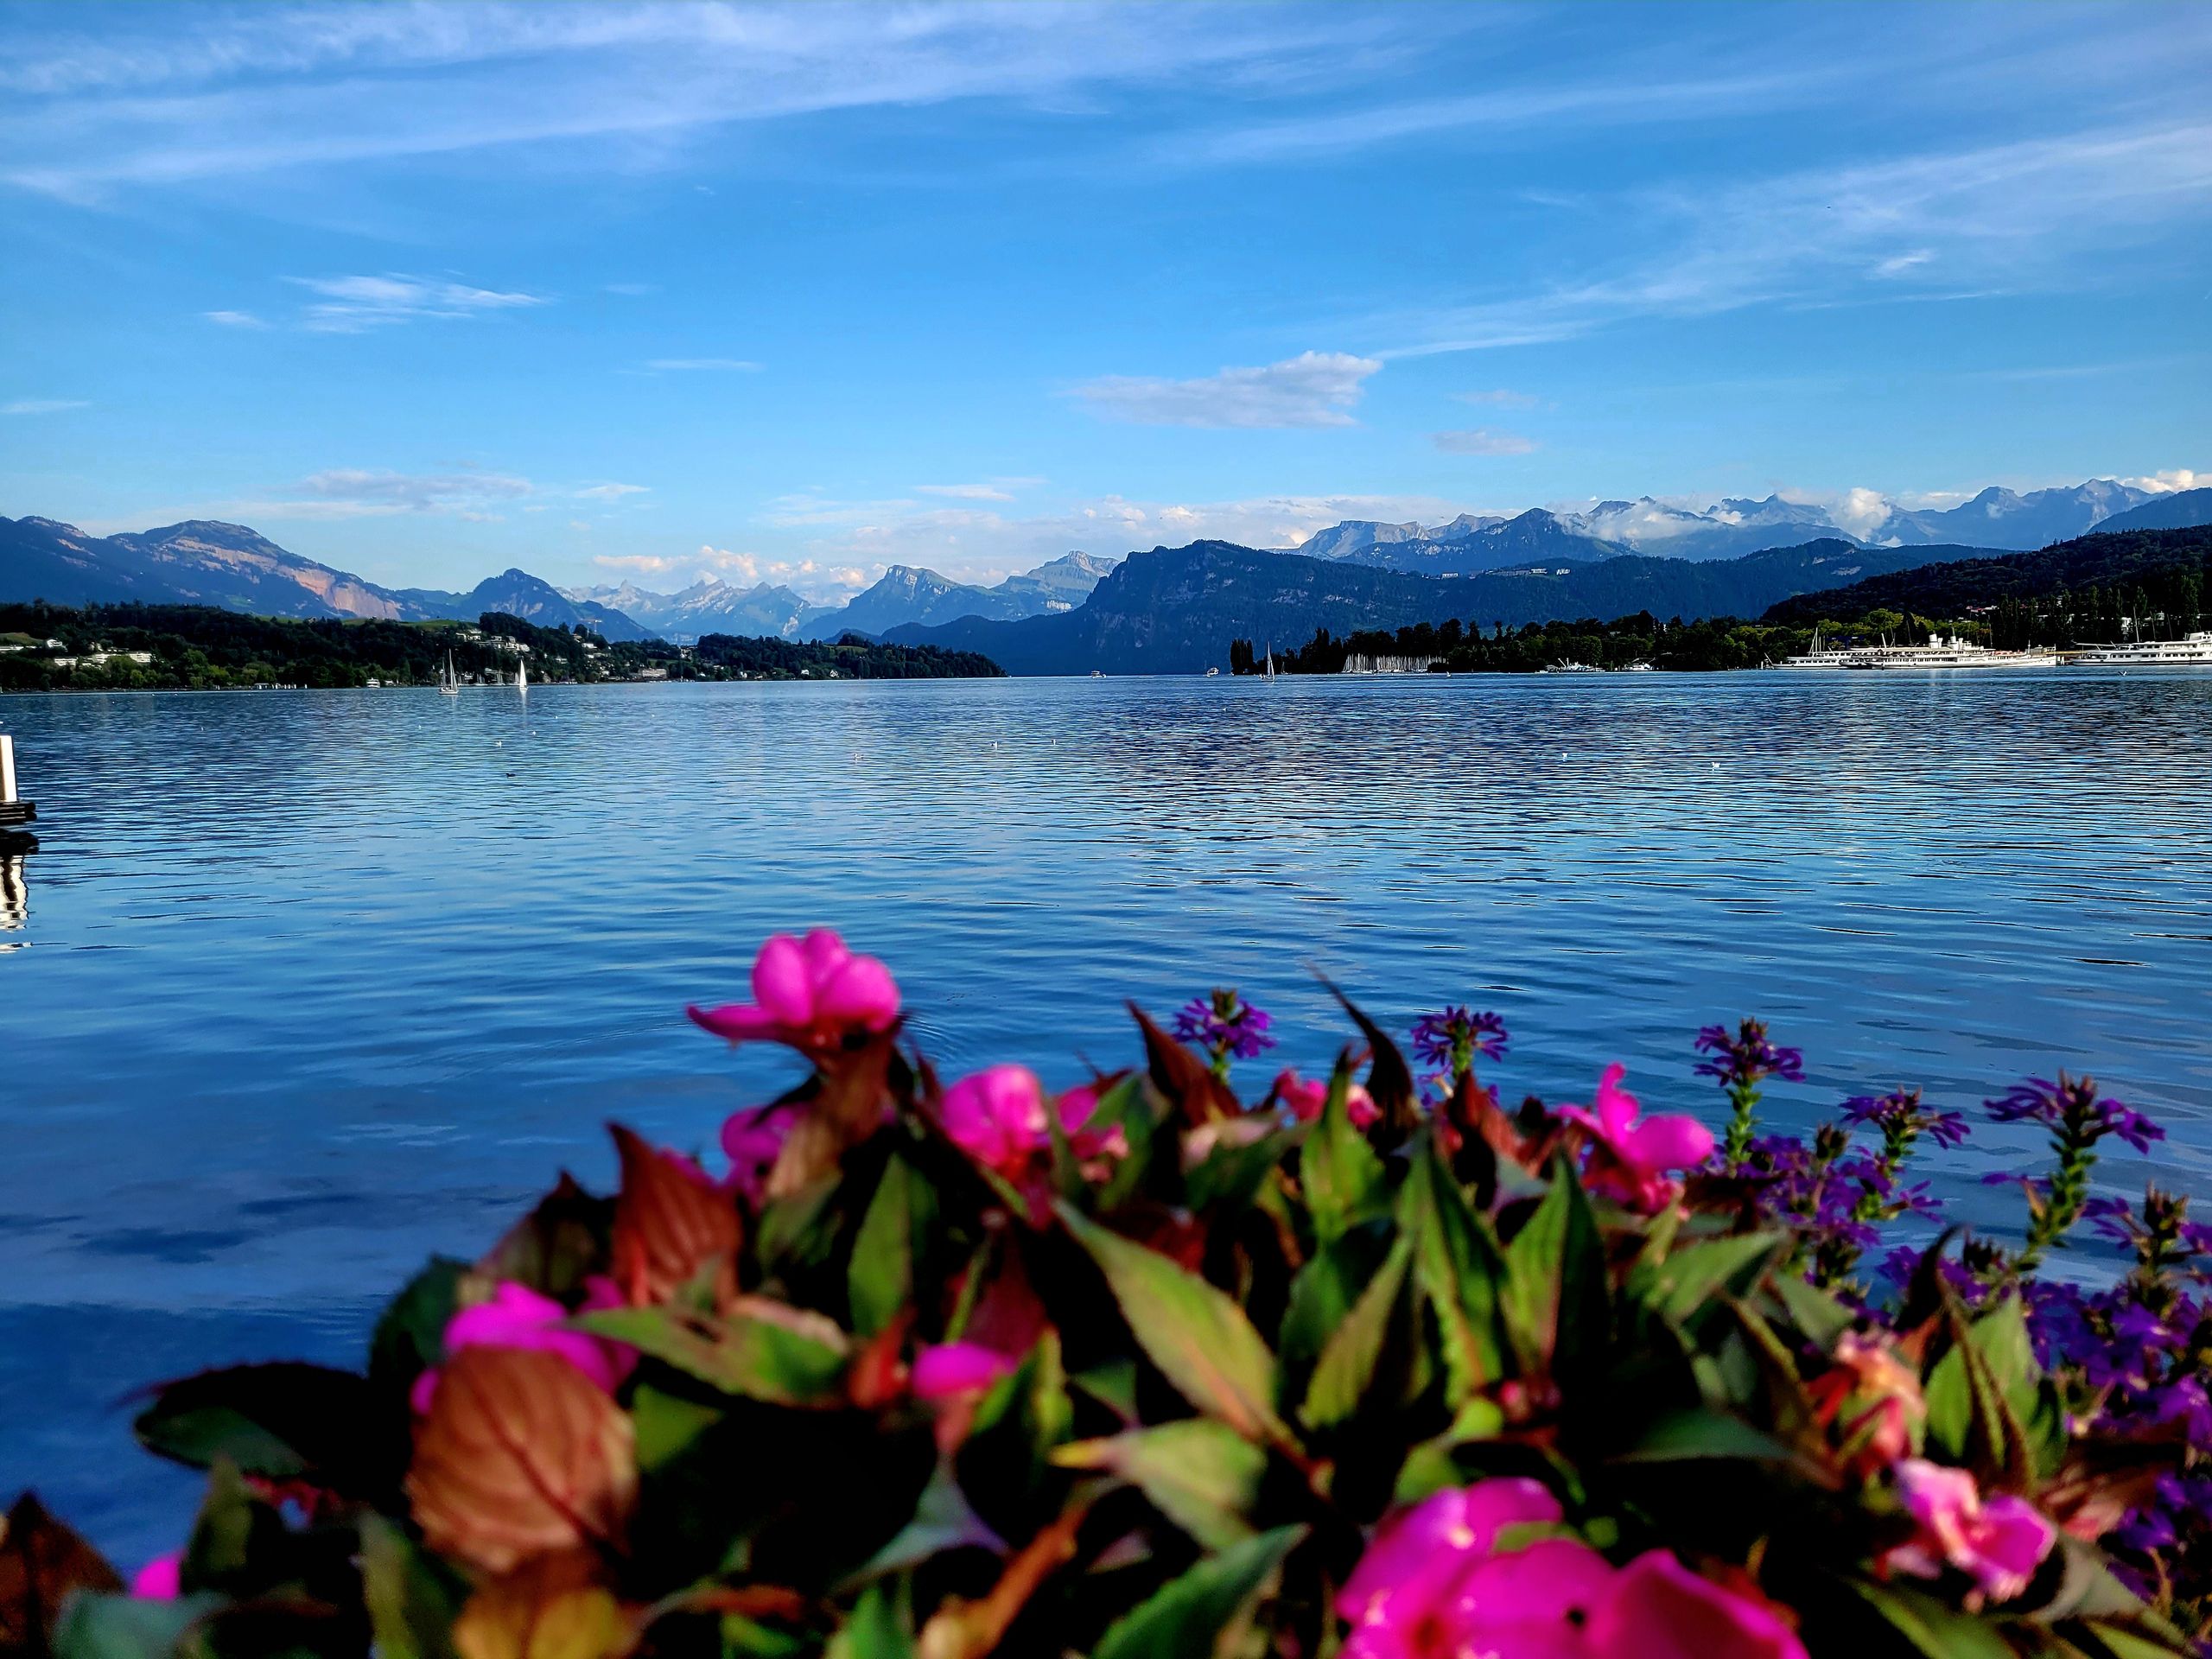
(302, 986)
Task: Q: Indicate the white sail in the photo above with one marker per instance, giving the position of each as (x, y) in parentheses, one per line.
(522, 676)
(450, 684)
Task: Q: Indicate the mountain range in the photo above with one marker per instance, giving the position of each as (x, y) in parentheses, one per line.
(1174, 610)
(1727, 530)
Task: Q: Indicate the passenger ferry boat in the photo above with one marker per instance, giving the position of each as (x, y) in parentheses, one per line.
(2192, 651)
(1953, 653)
(1821, 656)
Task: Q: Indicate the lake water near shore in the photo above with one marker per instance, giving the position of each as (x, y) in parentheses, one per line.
(302, 986)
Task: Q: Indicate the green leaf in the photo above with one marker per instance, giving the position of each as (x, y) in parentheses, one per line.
(558, 1245)
(1935, 1628)
(798, 1361)
(942, 1520)
(1322, 1294)
(285, 1421)
(1197, 1337)
(875, 1629)
(791, 1232)
(128, 1627)
(1232, 1174)
(1187, 1617)
(1699, 1433)
(1686, 1280)
(1459, 1267)
(1556, 1299)
(411, 1602)
(1006, 1459)
(1819, 1315)
(894, 1236)
(1348, 1361)
(1341, 1174)
(667, 1425)
(2121, 1643)
(410, 1337)
(1200, 1475)
(234, 1537)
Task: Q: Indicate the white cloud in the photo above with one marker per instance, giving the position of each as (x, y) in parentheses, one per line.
(1312, 389)
(1859, 511)
(235, 319)
(43, 405)
(1499, 399)
(1897, 264)
(2166, 483)
(684, 365)
(389, 492)
(965, 492)
(351, 305)
(1482, 441)
(613, 492)
(645, 564)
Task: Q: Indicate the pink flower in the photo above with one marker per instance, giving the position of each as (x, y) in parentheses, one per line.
(1998, 1541)
(518, 1317)
(1629, 1156)
(808, 995)
(998, 1117)
(1306, 1099)
(1873, 1399)
(1658, 1609)
(1434, 1586)
(158, 1580)
(754, 1138)
(954, 1368)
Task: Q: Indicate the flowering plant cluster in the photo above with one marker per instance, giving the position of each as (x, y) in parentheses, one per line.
(1141, 1366)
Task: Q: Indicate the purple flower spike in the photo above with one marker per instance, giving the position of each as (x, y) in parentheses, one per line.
(2071, 1108)
(1440, 1038)
(1741, 1061)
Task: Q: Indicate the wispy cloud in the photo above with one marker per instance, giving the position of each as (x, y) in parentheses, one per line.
(2005, 217)
(235, 319)
(1499, 399)
(43, 405)
(704, 364)
(351, 305)
(612, 492)
(1312, 389)
(1482, 441)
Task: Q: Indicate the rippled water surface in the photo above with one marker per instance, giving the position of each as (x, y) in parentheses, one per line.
(300, 987)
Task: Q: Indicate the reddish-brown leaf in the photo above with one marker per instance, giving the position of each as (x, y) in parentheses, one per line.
(967, 1630)
(669, 1225)
(1182, 1077)
(551, 1607)
(41, 1563)
(877, 1376)
(844, 1111)
(556, 1245)
(520, 1455)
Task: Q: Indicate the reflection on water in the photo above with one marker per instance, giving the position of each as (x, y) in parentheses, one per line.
(328, 980)
(14, 893)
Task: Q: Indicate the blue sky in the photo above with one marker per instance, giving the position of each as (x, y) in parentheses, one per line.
(659, 290)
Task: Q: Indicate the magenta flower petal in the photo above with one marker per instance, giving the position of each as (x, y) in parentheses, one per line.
(159, 1580)
(1554, 1582)
(781, 982)
(1658, 1609)
(1668, 1142)
(2015, 1537)
(859, 991)
(1417, 1552)
(739, 1021)
(952, 1368)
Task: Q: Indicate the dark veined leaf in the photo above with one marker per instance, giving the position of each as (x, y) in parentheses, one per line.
(1934, 1628)
(1187, 1617)
(411, 1600)
(894, 1236)
(520, 1455)
(877, 1629)
(1460, 1269)
(1678, 1286)
(671, 1226)
(1231, 1175)
(1353, 1353)
(1556, 1298)
(1343, 1178)
(558, 1245)
(238, 1540)
(667, 1425)
(1201, 1475)
(1197, 1337)
(1968, 1415)
(1819, 1315)
(42, 1564)
(1389, 1081)
(1322, 1294)
(760, 1349)
(285, 1421)
(844, 1111)
(1186, 1083)
(1006, 1459)
(551, 1607)
(1134, 1105)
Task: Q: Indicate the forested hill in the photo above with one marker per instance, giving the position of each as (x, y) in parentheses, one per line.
(2159, 563)
(1175, 610)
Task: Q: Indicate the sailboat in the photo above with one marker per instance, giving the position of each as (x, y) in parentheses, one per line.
(522, 676)
(449, 682)
(1270, 674)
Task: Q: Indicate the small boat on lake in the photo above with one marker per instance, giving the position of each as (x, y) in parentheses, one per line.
(449, 682)
(522, 677)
